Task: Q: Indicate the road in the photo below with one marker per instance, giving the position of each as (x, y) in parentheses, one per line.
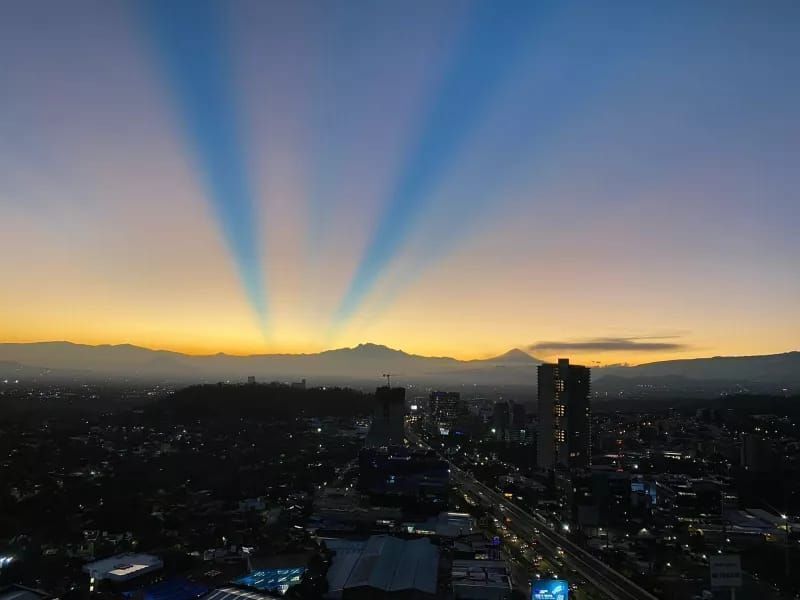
(608, 581)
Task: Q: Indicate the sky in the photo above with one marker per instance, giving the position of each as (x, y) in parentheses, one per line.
(612, 182)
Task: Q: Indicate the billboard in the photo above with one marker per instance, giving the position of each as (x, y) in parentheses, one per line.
(549, 589)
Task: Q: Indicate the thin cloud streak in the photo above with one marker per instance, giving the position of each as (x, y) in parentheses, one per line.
(612, 344)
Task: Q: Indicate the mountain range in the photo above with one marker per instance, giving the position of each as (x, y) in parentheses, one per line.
(368, 362)
(365, 362)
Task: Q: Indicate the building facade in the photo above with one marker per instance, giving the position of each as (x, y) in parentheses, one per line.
(564, 436)
(445, 410)
(501, 420)
(389, 418)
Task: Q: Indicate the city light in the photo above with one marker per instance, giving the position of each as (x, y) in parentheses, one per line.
(362, 300)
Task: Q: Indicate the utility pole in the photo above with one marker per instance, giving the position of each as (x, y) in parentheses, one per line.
(785, 518)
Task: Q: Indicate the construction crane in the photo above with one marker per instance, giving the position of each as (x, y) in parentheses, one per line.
(389, 379)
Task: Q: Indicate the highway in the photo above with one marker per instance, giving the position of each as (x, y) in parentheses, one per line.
(611, 583)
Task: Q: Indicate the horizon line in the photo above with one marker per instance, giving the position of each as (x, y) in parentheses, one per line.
(394, 349)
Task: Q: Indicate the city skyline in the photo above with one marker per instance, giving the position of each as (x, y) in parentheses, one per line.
(612, 184)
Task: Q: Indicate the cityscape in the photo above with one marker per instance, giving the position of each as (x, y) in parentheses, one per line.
(399, 300)
(255, 489)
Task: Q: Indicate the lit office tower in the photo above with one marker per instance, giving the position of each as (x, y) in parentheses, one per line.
(564, 439)
(387, 423)
(445, 410)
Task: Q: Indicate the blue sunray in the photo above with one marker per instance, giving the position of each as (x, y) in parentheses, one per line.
(571, 58)
(192, 49)
(489, 51)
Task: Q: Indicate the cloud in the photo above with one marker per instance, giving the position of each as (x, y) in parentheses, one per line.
(644, 343)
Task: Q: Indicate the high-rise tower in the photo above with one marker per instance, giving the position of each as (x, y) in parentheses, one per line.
(388, 421)
(564, 440)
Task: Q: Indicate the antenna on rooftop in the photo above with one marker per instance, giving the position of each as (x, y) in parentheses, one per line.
(389, 379)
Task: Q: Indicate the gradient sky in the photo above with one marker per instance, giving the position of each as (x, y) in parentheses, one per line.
(614, 182)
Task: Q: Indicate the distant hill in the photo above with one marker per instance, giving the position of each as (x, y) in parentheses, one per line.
(704, 377)
(769, 367)
(366, 363)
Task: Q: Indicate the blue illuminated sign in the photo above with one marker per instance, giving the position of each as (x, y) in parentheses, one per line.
(549, 589)
(273, 580)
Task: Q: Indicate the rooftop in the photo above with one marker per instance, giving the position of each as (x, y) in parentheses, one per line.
(233, 593)
(481, 573)
(386, 563)
(273, 580)
(171, 589)
(122, 567)
(20, 592)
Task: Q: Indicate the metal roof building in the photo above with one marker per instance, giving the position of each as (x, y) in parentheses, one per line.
(122, 567)
(272, 580)
(234, 593)
(384, 566)
(177, 588)
(481, 580)
(20, 592)
(446, 524)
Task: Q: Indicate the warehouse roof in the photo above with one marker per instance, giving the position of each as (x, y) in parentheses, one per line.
(233, 593)
(122, 567)
(385, 563)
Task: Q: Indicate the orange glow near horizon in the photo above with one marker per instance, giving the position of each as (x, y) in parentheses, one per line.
(201, 349)
(590, 187)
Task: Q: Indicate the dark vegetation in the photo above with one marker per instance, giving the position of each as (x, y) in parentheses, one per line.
(259, 401)
(165, 475)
